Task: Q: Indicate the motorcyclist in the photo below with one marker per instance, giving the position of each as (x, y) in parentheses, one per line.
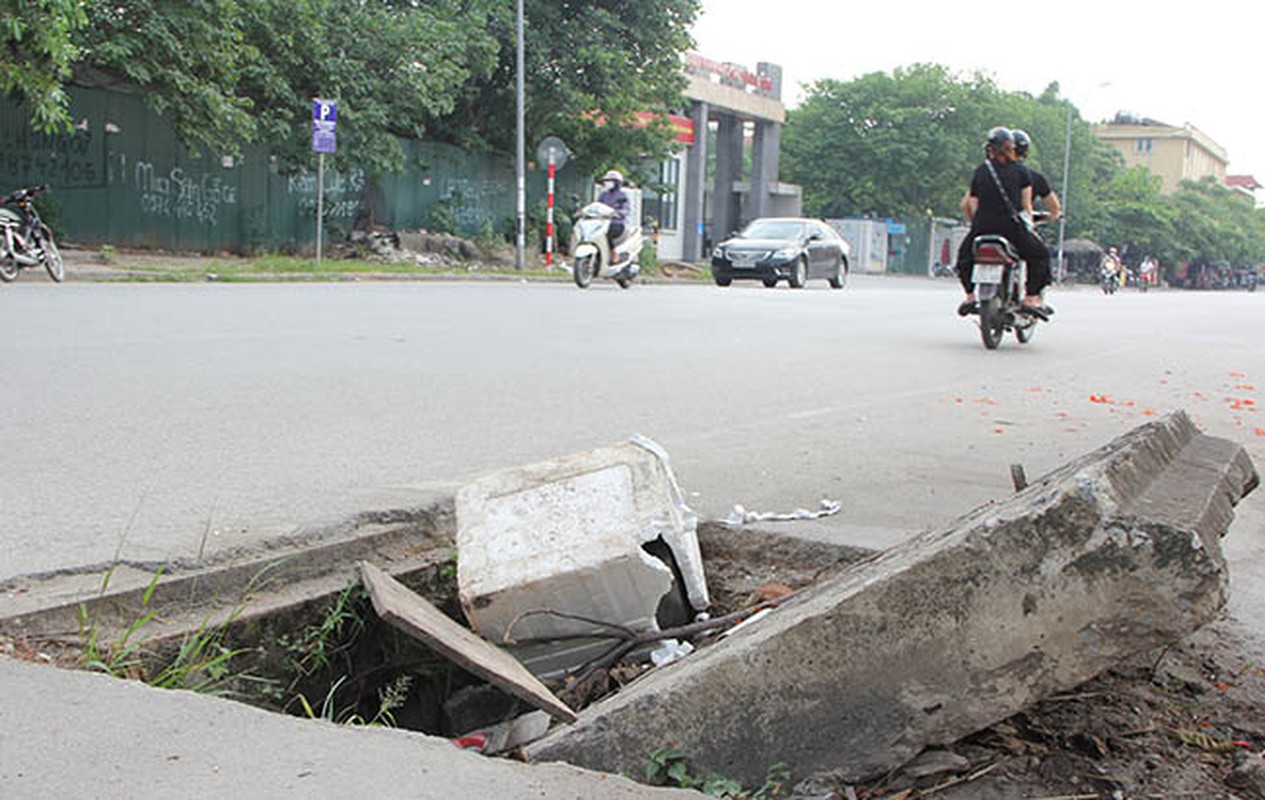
(1040, 184)
(615, 197)
(1114, 265)
(991, 212)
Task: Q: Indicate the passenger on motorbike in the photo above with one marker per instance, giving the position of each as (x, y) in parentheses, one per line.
(1040, 184)
(991, 212)
(615, 197)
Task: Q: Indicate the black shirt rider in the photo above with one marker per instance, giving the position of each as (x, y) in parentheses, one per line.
(1040, 184)
(994, 214)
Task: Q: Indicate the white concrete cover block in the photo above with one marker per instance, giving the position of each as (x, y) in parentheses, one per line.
(566, 534)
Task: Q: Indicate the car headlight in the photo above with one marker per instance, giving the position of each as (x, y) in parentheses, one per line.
(718, 252)
(787, 252)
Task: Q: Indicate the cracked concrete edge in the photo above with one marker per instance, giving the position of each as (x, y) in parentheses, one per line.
(50, 604)
(814, 683)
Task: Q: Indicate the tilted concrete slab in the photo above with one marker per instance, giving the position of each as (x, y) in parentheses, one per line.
(567, 534)
(959, 628)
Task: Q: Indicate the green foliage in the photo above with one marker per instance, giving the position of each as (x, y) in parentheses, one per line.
(37, 53)
(227, 72)
(669, 766)
(904, 144)
(316, 646)
(390, 698)
(589, 68)
(202, 663)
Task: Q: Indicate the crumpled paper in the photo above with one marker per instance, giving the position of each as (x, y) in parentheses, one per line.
(741, 516)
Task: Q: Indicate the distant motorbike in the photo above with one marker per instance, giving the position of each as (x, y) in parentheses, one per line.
(591, 251)
(1109, 280)
(25, 241)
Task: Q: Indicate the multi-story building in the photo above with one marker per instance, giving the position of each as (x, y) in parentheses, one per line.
(1174, 153)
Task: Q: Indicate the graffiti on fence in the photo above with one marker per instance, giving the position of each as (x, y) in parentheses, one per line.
(471, 202)
(341, 197)
(62, 159)
(182, 195)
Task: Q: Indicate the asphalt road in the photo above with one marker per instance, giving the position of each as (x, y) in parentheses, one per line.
(148, 421)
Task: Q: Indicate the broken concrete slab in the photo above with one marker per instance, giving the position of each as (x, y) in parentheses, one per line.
(571, 534)
(1114, 553)
(411, 613)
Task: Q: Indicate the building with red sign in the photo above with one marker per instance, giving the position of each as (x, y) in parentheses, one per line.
(744, 110)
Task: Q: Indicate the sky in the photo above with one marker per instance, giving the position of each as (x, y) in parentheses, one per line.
(1195, 63)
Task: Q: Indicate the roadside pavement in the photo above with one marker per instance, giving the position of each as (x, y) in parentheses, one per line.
(71, 734)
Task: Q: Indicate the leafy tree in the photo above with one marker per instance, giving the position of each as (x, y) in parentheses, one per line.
(590, 67)
(394, 67)
(888, 145)
(37, 51)
(225, 72)
(184, 57)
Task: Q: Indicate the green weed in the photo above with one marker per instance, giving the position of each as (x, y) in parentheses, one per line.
(316, 645)
(201, 664)
(669, 767)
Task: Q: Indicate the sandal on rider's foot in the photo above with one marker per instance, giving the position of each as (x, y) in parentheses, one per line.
(968, 307)
(1040, 312)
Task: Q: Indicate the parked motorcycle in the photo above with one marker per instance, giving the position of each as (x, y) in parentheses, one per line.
(25, 241)
(591, 253)
(1000, 278)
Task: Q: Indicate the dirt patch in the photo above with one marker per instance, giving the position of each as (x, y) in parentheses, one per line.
(1187, 721)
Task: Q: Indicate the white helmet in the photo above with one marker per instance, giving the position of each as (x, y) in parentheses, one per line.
(614, 175)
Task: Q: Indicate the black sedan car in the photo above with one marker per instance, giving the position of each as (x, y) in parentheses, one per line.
(772, 248)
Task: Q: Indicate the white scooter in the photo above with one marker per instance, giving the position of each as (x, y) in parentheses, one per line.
(591, 251)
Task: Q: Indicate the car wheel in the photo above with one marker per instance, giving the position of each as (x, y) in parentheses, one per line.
(722, 280)
(769, 283)
(840, 278)
(799, 275)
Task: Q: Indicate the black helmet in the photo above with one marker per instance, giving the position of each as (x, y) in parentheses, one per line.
(998, 137)
(1022, 141)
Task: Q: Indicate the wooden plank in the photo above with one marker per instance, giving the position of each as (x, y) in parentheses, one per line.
(411, 613)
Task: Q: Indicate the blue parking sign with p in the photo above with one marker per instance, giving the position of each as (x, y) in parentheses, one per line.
(324, 125)
(324, 110)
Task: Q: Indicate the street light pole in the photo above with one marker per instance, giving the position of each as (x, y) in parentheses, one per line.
(520, 259)
(1067, 159)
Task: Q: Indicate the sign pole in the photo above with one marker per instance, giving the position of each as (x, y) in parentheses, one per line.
(320, 203)
(549, 216)
(521, 226)
(324, 140)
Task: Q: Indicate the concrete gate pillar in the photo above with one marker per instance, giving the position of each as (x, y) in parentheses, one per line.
(725, 203)
(764, 167)
(695, 186)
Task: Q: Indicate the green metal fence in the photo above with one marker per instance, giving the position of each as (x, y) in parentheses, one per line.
(121, 178)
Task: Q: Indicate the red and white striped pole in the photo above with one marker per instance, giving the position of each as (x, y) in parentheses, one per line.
(549, 217)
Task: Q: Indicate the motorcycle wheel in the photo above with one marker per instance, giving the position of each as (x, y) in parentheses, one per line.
(585, 268)
(8, 269)
(1025, 334)
(51, 257)
(991, 323)
(769, 283)
(624, 281)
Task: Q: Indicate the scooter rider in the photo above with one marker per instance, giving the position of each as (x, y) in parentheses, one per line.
(991, 212)
(615, 197)
(1040, 184)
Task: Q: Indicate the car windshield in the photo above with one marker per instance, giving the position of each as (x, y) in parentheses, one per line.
(773, 229)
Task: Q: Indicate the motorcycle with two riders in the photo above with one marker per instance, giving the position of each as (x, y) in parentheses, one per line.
(1000, 274)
